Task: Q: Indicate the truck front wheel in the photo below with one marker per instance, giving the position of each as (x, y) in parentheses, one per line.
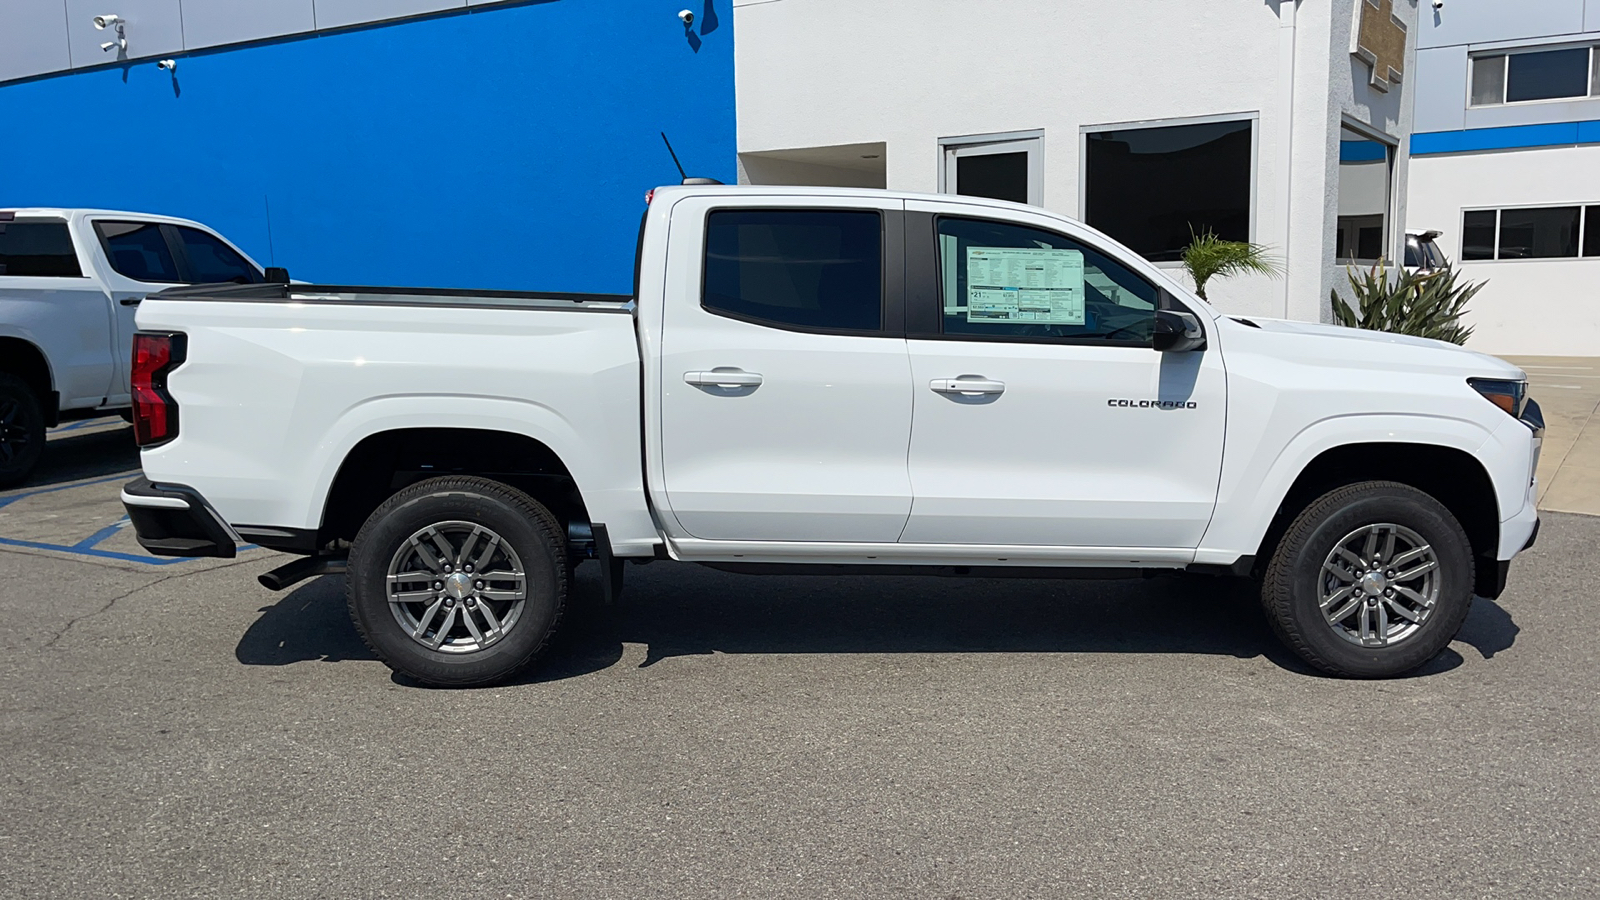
(458, 581)
(21, 430)
(1371, 580)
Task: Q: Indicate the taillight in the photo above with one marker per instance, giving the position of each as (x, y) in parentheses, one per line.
(155, 413)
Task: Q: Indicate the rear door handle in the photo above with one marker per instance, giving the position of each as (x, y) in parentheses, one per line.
(723, 378)
(968, 385)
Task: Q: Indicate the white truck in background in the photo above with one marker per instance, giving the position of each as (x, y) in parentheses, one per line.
(827, 379)
(70, 280)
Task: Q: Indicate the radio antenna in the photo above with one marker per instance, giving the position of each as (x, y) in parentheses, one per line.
(681, 174)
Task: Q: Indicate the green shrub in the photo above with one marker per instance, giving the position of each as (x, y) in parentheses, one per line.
(1423, 304)
(1209, 256)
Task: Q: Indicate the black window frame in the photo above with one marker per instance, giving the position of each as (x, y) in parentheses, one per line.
(77, 257)
(891, 232)
(1588, 231)
(925, 287)
(175, 248)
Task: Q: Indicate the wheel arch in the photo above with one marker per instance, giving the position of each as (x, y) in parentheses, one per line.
(385, 462)
(1450, 475)
(23, 358)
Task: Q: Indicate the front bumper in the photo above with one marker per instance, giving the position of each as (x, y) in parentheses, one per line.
(174, 520)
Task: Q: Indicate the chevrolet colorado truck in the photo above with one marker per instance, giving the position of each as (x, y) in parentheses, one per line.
(826, 379)
(69, 282)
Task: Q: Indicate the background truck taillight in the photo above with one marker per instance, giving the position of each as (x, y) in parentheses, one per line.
(155, 413)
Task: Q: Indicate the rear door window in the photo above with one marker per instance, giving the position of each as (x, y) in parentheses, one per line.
(139, 250)
(213, 262)
(812, 270)
(38, 249)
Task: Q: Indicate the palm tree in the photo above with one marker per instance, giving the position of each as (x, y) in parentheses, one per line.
(1209, 256)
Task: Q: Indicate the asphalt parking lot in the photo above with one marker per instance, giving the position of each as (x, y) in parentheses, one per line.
(171, 729)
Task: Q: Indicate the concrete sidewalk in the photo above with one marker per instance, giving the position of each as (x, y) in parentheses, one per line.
(1568, 390)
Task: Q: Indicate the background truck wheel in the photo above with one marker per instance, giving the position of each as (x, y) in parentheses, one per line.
(1370, 581)
(21, 430)
(458, 581)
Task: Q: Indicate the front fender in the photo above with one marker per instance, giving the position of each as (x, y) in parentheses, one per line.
(1253, 488)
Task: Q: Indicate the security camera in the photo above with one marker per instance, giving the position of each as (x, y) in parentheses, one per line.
(1438, 4)
(108, 45)
(171, 65)
(686, 17)
(101, 23)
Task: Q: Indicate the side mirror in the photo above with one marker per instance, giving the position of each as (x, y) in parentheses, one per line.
(1176, 332)
(276, 275)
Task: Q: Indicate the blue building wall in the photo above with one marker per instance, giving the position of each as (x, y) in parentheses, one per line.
(508, 147)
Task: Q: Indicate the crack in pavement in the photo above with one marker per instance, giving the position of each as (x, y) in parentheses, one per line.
(129, 593)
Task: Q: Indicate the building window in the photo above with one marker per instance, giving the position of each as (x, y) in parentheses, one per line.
(1538, 232)
(1365, 176)
(1566, 73)
(1153, 189)
(997, 166)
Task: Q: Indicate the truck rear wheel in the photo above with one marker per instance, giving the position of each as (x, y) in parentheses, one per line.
(21, 430)
(1371, 580)
(458, 581)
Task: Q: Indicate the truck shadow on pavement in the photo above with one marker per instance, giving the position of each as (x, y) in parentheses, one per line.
(679, 610)
(69, 456)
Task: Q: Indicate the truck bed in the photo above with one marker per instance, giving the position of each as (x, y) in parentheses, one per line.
(327, 366)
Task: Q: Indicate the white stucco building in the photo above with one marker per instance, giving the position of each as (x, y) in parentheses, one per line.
(1143, 118)
(1506, 164)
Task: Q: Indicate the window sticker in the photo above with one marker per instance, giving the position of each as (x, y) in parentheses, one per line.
(1013, 284)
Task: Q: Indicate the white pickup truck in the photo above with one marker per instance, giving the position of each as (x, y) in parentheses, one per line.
(822, 379)
(69, 282)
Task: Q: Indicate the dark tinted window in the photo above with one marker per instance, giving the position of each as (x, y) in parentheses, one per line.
(1591, 231)
(1369, 242)
(39, 249)
(1154, 188)
(1547, 75)
(809, 268)
(1001, 176)
(1539, 233)
(1414, 255)
(1477, 234)
(138, 251)
(213, 262)
(1001, 280)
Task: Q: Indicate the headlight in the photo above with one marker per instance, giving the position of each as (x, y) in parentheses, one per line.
(1508, 395)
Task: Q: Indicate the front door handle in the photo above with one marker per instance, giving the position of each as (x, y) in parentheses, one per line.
(723, 378)
(967, 385)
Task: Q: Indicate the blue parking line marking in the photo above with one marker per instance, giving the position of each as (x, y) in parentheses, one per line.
(101, 535)
(91, 551)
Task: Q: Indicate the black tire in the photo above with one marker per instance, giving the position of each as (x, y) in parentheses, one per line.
(524, 526)
(1294, 582)
(21, 430)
